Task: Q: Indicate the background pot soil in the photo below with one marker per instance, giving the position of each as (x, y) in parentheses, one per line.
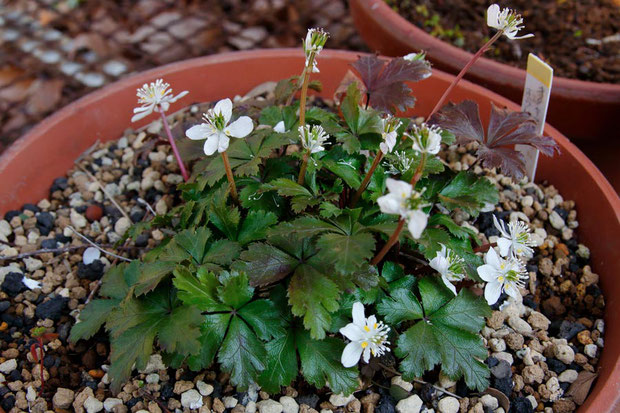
(579, 38)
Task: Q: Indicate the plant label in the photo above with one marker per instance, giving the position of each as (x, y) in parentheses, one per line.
(535, 101)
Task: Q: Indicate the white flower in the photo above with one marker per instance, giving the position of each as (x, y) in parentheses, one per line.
(390, 127)
(280, 128)
(501, 274)
(412, 57)
(368, 337)
(449, 266)
(426, 138)
(313, 44)
(515, 239)
(404, 201)
(506, 20)
(216, 129)
(313, 138)
(154, 94)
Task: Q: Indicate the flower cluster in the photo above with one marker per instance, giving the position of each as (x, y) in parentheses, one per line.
(313, 138)
(506, 20)
(403, 200)
(217, 130)
(312, 45)
(368, 337)
(515, 240)
(154, 96)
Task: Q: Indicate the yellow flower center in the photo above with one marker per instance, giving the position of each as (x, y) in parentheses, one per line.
(364, 344)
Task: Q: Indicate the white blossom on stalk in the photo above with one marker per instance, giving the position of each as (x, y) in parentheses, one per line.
(217, 130)
(368, 337)
(154, 94)
(501, 275)
(403, 200)
(426, 138)
(449, 266)
(313, 138)
(313, 44)
(412, 57)
(389, 134)
(506, 20)
(279, 127)
(515, 239)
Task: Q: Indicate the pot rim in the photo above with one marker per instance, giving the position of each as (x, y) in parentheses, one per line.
(604, 397)
(484, 67)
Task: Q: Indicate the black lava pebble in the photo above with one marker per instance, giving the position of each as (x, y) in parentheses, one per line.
(567, 329)
(31, 207)
(504, 385)
(13, 284)
(4, 305)
(556, 365)
(166, 392)
(502, 370)
(63, 239)
(60, 184)
(132, 402)
(7, 403)
(10, 215)
(49, 244)
(386, 405)
(521, 405)
(92, 271)
(51, 309)
(311, 400)
(45, 223)
(461, 388)
(428, 392)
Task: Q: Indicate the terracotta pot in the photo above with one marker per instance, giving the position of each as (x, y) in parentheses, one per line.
(28, 167)
(572, 101)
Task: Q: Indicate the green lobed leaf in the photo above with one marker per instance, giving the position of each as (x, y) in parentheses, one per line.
(401, 305)
(199, 290)
(92, 317)
(255, 225)
(235, 290)
(265, 264)
(468, 192)
(346, 252)
(281, 365)
(264, 318)
(212, 332)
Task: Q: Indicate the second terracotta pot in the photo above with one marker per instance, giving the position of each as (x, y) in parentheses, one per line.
(581, 110)
(29, 166)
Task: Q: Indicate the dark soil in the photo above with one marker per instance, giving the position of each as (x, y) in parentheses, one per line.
(573, 36)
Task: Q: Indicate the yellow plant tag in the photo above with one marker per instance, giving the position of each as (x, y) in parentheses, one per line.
(536, 94)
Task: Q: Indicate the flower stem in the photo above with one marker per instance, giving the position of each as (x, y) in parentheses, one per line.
(304, 90)
(304, 166)
(364, 184)
(401, 222)
(463, 71)
(229, 175)
(173, 145)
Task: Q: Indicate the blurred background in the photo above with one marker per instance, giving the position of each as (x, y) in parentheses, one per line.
(52, 52)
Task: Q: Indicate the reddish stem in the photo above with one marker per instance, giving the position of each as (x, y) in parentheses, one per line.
(174, 145)
(231, 179)
(304, 166)
(463, 71)
(366, 180)
(485, 247)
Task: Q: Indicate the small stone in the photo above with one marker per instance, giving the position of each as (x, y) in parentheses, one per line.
(448, 405)
(8, 366)
(553, 388)
(497, 344)
(289, 405)
(538, 321)
(229, 402)
(564, 353)
(340, 400)
(564, 406)
(32, 264)
(496, 320)
(110, 402)
(182, 386)
(520, 326)
(556, 220)
(94, 213)
(532, 401)
(92, 405)
(191, 399)
(584, 337)
(122, 225)
(590, 350)
(568, 376)
(501, 370)
(533, 374)
(269, 406)
(63, 398)
(445, 381)
(204, 388)
(80, 399)
(514, 341)
(77, 220)
(489, 402)
(411, 404)
(398, 381)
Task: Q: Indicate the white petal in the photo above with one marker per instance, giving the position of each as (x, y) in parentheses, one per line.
(417, 223)
(492, 291)
(504, 246)
(199, 132)
(352, 331)
(179, 96)
(371, 321)
(439, 264)
(389, 204)
(487, 272)
(351, 354)
(512, 291)
(90, 255)
(398, 187)
(513, 36)
(224, 107)
(240, 128)
(449, 285)
(144, 108)
(492, 15)
(358, 314)
(279, 127)
(164, 106)
(211, 144)
(223, 142)
(367, 354)
(501, 226)
(492, 259)
(139, 116)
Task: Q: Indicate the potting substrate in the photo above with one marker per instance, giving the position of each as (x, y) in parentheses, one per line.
(543, 351)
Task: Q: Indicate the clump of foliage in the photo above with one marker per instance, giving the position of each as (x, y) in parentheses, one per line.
(260, 280)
